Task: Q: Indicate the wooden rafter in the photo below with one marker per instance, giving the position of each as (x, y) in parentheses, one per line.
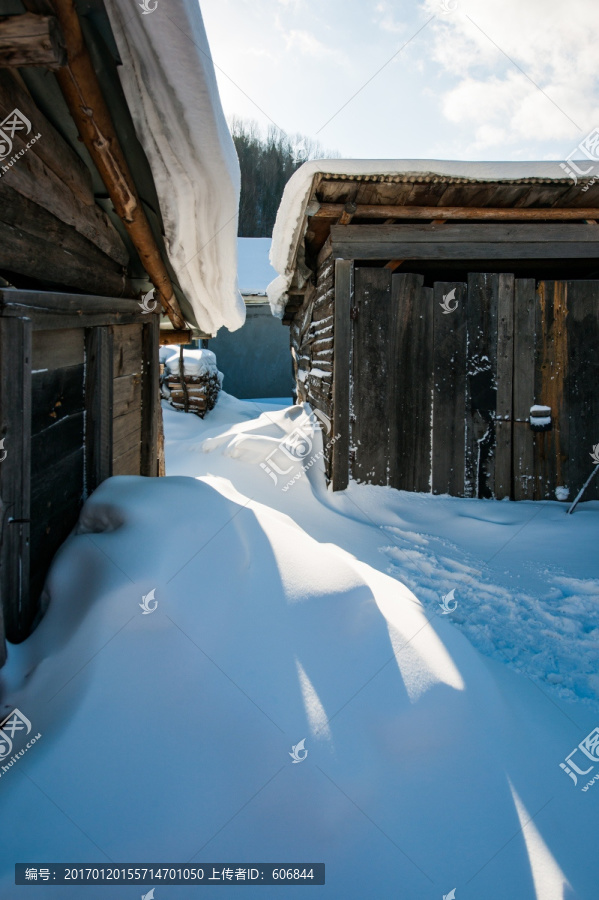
(81, 90)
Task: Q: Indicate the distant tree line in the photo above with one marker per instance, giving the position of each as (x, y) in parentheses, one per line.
(267, 163)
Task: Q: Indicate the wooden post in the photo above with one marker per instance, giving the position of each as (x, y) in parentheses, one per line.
(150, 397)
(505, 370)
(98, 405)
(15, 477)
(524, 387)
(344, 275)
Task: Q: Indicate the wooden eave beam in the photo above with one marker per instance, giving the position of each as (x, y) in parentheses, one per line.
(168, 337)
(81, 90)
(369, 211)
(466, 240)
(31, 40)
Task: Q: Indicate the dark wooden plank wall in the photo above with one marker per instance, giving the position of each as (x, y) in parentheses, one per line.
(525, 301)
(57, 454)
(449, 387)
(51, 227)
(550, 368)
(127, 394)
(583, 383)
(502, 348)
(372, 372)
(15, 476)
(410, 340)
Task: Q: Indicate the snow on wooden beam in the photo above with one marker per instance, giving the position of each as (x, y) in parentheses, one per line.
(31, 40)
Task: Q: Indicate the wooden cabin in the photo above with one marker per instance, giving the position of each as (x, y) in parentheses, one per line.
(445, 317)
(81, 242)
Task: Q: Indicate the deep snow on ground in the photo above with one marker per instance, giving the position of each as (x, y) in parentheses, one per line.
(526, 576)
(284, 615)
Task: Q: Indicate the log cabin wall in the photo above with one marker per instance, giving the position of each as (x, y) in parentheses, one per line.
(52, 231)
(79, 392)
(311, 336)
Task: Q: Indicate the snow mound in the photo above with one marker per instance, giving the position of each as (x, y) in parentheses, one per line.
(195, 362)
(169, 735)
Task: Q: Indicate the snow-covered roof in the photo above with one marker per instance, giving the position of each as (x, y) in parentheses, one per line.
(254, 271)
(170, 86)
(290, 224)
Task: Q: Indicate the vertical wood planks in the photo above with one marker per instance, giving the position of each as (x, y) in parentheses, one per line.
(524, 388)
(371, 367)
(344, 273)
(98, 402)
(481, 390)
(504, 382)
(551, 365)
(15, 477)
(410, 346)
(150, 397)
(449, 387)
(582, 383)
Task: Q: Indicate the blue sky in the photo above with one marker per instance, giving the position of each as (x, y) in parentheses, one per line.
(476, 79)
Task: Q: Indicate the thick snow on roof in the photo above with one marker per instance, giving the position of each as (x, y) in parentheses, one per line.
(169, 83)
(290, 217)
(254, 271)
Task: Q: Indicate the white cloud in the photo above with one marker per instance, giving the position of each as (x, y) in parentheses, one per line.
(483, 47)
(386, 21)
(308, 44)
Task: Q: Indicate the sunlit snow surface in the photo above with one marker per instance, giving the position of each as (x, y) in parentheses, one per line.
(286, 615)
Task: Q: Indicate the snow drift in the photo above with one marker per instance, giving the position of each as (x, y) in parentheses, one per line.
(167, 736)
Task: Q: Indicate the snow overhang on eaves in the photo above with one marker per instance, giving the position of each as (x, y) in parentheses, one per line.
(434, 183)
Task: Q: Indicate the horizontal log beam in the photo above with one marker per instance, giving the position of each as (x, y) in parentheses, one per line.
(30, 40)
(168, 337)
(465, 241)
(370, 211)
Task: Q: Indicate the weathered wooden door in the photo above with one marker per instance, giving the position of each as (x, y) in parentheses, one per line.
(444, 378)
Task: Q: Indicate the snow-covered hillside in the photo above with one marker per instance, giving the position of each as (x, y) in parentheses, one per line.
(286, 614)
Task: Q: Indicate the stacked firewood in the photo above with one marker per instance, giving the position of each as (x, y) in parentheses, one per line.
(192, 393)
